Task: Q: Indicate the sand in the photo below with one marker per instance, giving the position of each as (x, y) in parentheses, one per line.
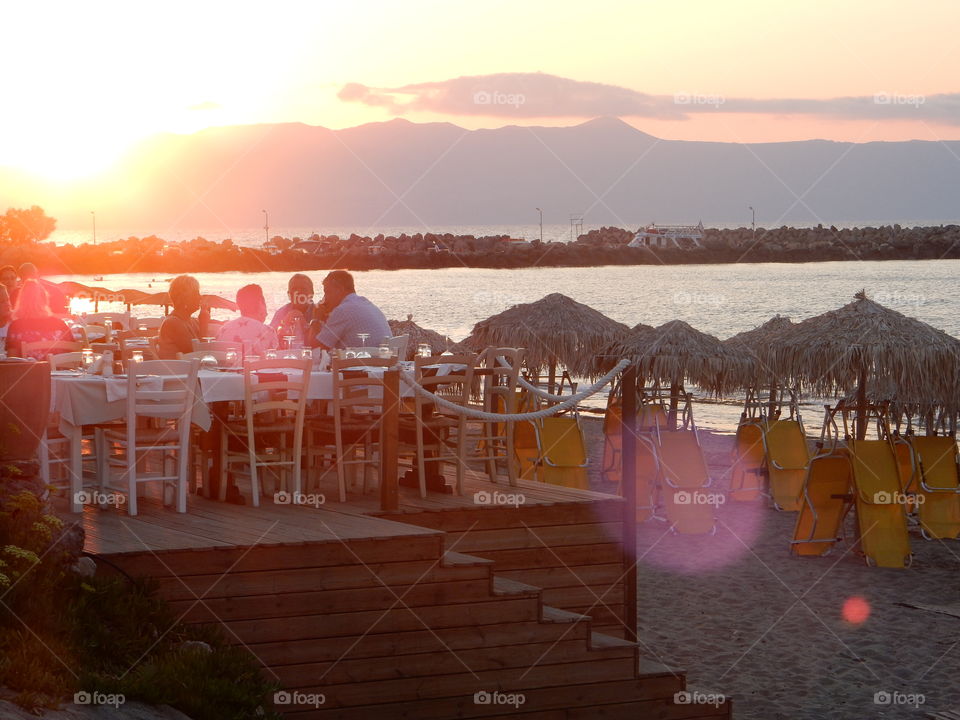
(745, 618)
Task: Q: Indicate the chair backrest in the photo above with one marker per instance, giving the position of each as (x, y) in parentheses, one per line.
(217, 346)
(278, 387)
(150, 323)
(145, 352)
(171, 397)
(102, 347)
(121, 320)
(356, 391)
(42, 349)
(220, 355)
(500, 368)
(67, 360)
(399, 344)
(448, 376)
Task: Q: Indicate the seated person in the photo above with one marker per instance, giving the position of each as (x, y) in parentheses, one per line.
(294, 317)
(56, 298)
(249, 329)
(350, 315)
(33, 322)
(180, 328)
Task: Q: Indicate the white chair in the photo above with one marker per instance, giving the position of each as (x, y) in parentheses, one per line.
(54, 448)
(271, 433)
(169, 400)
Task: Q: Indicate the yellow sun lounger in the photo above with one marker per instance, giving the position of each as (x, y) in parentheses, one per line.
(824, 503)
(525, 449)
(787, 461)
(647, 466)
(939, 486)
(879, 499)
(563, 453)
(749, 461)
(683, 470)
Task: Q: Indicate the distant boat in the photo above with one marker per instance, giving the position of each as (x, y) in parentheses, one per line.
(661, 236)
(99, 278)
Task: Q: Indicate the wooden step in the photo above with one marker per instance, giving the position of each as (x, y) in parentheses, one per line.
(551, 614)
(455, 559)
(651, 668)
(601, 641)
(506, 586)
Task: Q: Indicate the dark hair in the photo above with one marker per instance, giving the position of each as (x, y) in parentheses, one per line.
(249, 297)
(341, 278)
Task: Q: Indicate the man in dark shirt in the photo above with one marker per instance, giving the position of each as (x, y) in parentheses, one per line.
(180, 328)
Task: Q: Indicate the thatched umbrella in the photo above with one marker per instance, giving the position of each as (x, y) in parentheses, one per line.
(418, 335)
(163, 298)
(554, 330)
(865, 345)
(673, 353)
(750, 345)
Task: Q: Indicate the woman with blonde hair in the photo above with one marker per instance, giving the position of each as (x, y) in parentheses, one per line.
(33, 322)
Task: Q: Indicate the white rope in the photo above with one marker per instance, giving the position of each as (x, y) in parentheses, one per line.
(539, 392)
(569, 402)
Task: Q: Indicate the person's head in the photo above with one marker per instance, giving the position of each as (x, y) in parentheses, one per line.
(8, 276)
(185, 294)
(336, 286)
(251, 303)
(28, 271)
(32, 302)
(300, 290)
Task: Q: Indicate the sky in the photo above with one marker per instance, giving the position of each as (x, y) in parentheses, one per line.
(83, 82)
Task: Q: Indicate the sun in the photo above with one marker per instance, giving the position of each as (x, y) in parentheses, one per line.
(77, 152)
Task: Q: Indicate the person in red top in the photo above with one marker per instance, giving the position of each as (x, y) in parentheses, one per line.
(180, 328)
(33, 322)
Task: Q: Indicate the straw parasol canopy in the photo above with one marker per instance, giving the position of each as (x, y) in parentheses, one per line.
(163, 298)
(864, 345)
(750, 345)
(675, 352)
(438, 343)
(554, 330)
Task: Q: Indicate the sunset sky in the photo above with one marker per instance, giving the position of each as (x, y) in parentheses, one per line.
(83, 82)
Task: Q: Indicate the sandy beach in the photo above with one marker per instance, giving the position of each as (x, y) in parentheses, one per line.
(744, 618)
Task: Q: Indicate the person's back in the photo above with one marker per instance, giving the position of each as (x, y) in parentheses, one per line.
(33, 322)
(351, 317)
(249, 328)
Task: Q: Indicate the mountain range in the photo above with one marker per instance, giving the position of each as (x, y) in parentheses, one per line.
(435, 174)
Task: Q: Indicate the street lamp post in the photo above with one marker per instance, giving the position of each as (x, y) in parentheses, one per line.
(266, 226)
(753, 220)
(93, 213)
(541, 223)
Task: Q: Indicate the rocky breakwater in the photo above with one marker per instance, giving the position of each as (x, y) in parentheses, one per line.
(604, 246)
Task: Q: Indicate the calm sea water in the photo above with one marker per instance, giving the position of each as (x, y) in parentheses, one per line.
(719, 299)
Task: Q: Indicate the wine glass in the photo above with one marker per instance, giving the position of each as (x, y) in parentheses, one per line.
(208, 362)
(424, 350)
(288, 341)
(86, 359)
(271, 354)
(137, 356)
(363, 338)
(231, 358)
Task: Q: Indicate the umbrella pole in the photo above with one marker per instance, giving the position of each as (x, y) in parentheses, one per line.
(674, 405)
(553, 377)
(772, 406)
(628, 484)
(862, 404)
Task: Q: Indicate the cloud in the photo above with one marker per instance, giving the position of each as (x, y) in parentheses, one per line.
(206, 105)
(539, 95)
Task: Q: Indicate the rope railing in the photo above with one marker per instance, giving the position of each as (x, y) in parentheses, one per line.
(568, 402)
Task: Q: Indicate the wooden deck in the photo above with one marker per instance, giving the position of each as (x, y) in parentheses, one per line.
(410, 614)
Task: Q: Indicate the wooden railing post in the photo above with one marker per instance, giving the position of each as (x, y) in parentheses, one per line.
(628, 466)
(389, 441)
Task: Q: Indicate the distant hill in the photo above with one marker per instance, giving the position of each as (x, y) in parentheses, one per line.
(401, 173)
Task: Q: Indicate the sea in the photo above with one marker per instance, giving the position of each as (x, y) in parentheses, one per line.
(721, 299)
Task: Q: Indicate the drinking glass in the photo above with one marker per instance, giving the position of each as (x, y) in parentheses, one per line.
(306, 354)
(288, 341)
(270, 354)
(208, 362)
(137, 356)
(231, 358)
(385, 352)
(86, 359)
(363, 338)
(424, 350)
